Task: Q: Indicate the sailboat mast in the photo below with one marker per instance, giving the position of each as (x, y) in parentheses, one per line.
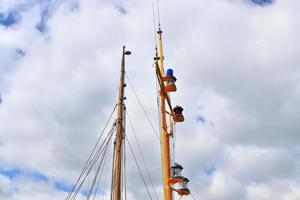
(166, 158)
(119, 133)
(169, 116)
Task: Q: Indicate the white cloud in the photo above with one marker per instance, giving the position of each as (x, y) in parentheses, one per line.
(236, 66)
(6, 188)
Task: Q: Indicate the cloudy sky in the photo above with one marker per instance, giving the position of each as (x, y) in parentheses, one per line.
(238, 80)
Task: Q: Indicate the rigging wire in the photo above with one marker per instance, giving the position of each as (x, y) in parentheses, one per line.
(193, 196)
(95, 158)
(88, 160)
(72, 195)
(105, 178)
(101, 167)
(112, 172)
(142, 107)
(141, 152)
(173, 143)
(158, 103)
(98, 170)
(159, 109)
(124, 174)
(124, 160)
(137, 164)
(99, 180)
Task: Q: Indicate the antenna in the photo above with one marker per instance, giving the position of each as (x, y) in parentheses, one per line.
(154, 31)
(159, 31)
(158, 13)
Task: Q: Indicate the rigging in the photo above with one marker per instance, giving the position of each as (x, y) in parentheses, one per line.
(142, 155)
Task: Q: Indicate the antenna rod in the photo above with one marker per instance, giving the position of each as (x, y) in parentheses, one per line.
(120, 132)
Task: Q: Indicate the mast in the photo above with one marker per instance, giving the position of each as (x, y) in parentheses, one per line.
(166, 158)
(119, 133)
(169, 116)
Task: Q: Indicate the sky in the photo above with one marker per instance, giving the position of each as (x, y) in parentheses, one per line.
(238, 80)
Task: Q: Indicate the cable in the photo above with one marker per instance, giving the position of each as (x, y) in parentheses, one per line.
(99, 170)
(142, 107)
(124, 161)
(88, 160)
(124, 173)
(105, 178)
(143, 158)
(90, 166)
(193, 196)
(143, 179)
(112, 172)
(173, 142)
(158, 13)
(89, 170)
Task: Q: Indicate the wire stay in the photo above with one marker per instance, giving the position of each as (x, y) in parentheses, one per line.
(142, 107)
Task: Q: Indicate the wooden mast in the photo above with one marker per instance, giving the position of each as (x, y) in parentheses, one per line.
(165, 136)
(119, 133)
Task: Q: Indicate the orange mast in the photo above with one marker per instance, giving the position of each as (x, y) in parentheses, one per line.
(166, 80)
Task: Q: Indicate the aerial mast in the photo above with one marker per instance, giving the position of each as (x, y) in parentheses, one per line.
(169, 116)
(164, 133)
(117, 178)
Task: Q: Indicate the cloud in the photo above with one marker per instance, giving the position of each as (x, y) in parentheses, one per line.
(236, 68)
(6, 189)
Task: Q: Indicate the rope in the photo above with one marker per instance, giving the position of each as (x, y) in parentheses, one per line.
(142, 107)
(94, 160)
(143, 179)
(124, 192)
(159, 117)
(173, 143)
(143, 158)
(89, 158)
(124, 173)
(105, 178)
(98, 183)
(100, 167)
(112, 172)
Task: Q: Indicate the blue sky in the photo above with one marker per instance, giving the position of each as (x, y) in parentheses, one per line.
(263, 2)
(9, 18)
(17, 173)
(13, 15)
